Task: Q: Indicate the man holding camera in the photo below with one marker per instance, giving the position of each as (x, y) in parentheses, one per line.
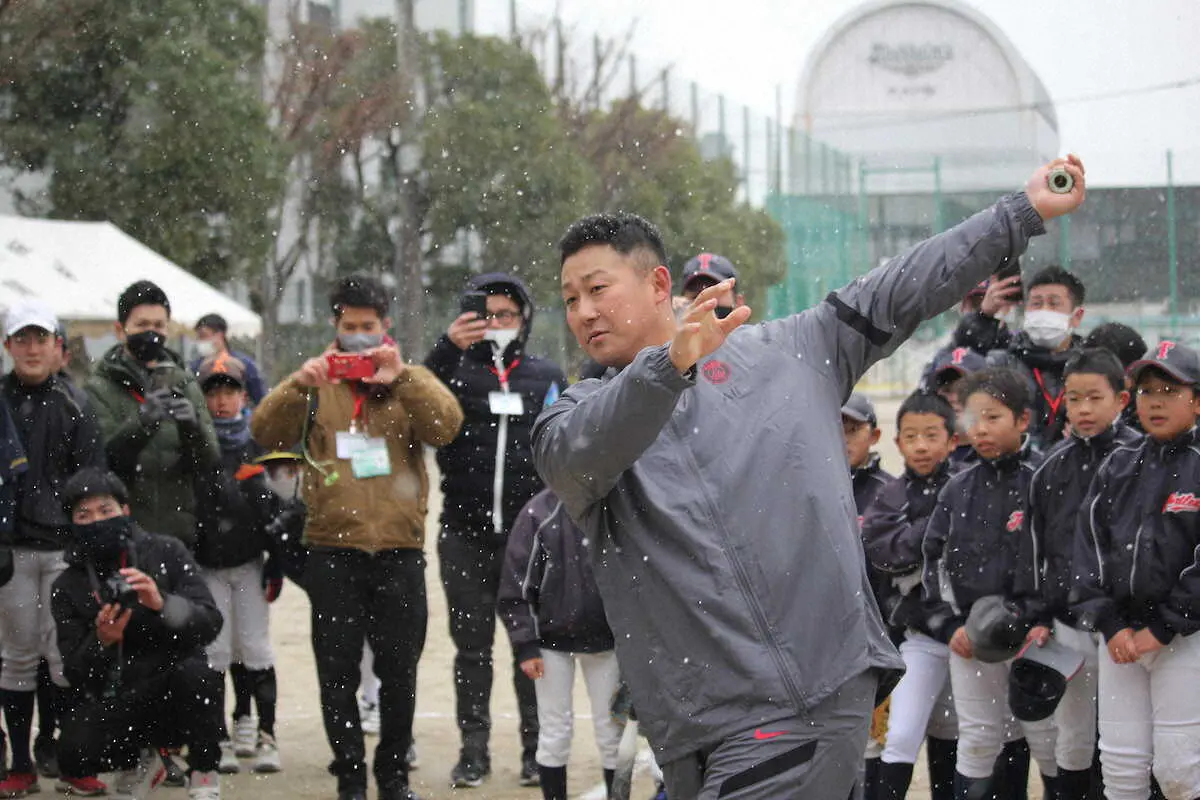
(487, 477)
(363, 417)
(156, 428)
(133, 618)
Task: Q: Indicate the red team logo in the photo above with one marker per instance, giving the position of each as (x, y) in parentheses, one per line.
(1163, 349)
(957, 355)
(1014, 521)
(1178, 501)
(716, 372)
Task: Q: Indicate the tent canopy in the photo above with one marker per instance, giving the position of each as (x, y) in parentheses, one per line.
(81, 268)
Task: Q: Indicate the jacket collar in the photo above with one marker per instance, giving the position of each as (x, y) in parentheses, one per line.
(866, 470)
(1102, 440)
(1011, 461)
(1170, 448)
(935, 478)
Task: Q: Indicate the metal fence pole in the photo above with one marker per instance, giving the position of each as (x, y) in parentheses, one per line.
(1172, 244)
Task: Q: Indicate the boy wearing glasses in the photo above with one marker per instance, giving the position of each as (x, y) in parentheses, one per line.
(487, 477)
(1137, 559)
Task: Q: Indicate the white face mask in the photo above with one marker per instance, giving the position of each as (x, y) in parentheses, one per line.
(206, 348)
(501, 337)
(1047, 328)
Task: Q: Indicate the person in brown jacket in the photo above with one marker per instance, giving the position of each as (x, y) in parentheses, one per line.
(366, 489)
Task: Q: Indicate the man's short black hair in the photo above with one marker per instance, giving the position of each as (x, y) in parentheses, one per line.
(1004, 385)
(1123, 341)
(623, 232)
(1097, 361)
(93, 482)
(214, 322)
(359, 291)
(1055, 275)
(141, 293)
(920, 402)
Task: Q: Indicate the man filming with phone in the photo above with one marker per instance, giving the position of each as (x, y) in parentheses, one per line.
(133, 617)
(487, 477)
(363, 418)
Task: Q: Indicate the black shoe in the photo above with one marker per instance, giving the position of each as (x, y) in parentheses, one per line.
(530, 776)
(45, 755)
(352, 794)
(175, 774)
(397, 791)
(469, 772)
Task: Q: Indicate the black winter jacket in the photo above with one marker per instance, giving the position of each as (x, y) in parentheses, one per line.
(971, 546)
(868, 481)
(1137, 553)
(469, 463)
(60, 435)
(155, 642)
(1056, 499)
(235, 509)
(893, 530)
(548, 595)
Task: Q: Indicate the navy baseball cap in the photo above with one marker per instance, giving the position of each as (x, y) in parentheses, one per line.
(1179, 361)
(1038, 679)
(860, 408)
(708, 267)
(997, 633)
(958, 363)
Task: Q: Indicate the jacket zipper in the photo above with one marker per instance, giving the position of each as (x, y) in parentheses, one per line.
(501, 452)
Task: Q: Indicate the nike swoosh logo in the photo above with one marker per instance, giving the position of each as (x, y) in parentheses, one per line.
(762, 735)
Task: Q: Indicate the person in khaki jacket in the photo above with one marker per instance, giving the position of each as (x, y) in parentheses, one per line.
(366, 489)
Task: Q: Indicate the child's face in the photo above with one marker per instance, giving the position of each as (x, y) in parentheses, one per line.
(1166, 409)
(225, 401)
(993, 429)
(1092, 405)
(860, 438)
(924, 442)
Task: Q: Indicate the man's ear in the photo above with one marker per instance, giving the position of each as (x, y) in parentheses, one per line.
(1077, 317)
(875, 434)
(661, 277)
(125, 510)
(387, 324)
(119, 330)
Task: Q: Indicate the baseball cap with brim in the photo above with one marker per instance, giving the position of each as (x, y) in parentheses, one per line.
(278, 457)
(958, 363)
(1178, 361)
(707, 267)
(224, 368)
(1038, 679)
(30, 314)
(860, 408)
(997, 633)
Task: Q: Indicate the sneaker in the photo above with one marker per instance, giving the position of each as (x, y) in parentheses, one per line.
(530, 776)
(229, 764)
(45, 755)
(245, 737)
(19, 784)
(90, 786)
(410, 757)
(468, 773)
(267, 758)
(136, 783)
(370, 719)
(397, 791)
(173, 773)
(204, 786)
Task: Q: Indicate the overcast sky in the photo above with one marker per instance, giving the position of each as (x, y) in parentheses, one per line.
(1079, 48)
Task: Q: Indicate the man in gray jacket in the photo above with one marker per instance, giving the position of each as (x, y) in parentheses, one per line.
(708, 471)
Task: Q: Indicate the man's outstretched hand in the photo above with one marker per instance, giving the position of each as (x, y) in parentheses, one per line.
(700, 332)
(1050, 204)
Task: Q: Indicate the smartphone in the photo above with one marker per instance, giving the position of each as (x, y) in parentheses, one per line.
(1008, 269)
(475, 302)
(350, 366)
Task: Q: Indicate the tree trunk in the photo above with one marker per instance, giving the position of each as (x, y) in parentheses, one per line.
(408, 266)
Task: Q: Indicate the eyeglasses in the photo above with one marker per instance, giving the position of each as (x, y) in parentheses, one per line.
(31, 337)
(1166, 392)
(503, 316)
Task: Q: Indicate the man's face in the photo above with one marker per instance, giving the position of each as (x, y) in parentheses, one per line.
(615, 306)
(204, 334)
(361, 320)
(145, 318)
(35, 354)
(224, 400)
(503, 312)
(1053, 297)
(860, 438)
(95, 509)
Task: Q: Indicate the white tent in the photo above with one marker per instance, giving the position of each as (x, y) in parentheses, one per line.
(81, 268)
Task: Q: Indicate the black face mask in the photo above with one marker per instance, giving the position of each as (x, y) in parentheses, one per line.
(723, 311)
(146, 346)
(102, 542)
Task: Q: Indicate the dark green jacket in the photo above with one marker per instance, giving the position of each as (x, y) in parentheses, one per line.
(160, 467)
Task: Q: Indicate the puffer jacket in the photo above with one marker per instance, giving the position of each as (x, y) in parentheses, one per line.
(160, 467)
(723, 536)
(370, 514)
(1137, 553)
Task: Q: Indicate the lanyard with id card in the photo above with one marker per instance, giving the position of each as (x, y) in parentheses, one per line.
(504, 402)
(368, 455)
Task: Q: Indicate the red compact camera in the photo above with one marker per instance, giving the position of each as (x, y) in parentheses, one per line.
(350, 366)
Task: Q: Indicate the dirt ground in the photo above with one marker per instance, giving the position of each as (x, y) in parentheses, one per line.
(302, 738)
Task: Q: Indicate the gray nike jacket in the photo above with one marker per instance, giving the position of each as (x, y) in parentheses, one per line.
(718, 507)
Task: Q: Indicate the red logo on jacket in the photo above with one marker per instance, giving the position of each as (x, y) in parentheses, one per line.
(958, 354)
(1014, 521)
(716, 372)
(1178, 502)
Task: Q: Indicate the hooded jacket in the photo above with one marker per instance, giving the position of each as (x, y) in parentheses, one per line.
(160, 467)
(58, 430)
(1137, 554)
(489, 466)
(155, 641)
(1057, 499)
(548, 596)
(972, 543)
(369, 514)
(724, 541)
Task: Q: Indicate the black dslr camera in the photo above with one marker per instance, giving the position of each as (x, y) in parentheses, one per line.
(119, 593)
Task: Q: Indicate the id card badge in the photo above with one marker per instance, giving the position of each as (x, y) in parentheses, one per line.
(371, 461)
(349, 443)
(506, 403)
